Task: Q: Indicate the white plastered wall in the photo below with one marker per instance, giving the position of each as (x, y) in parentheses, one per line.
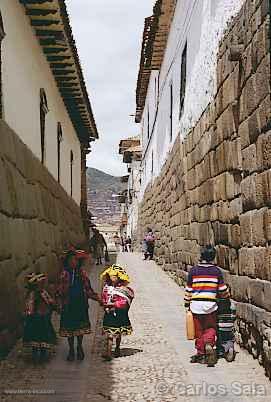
(24, 71)
(200, 23)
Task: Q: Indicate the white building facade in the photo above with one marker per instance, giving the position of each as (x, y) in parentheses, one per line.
(133, 197)
(44, 99)
(131, 150)
(181, 73)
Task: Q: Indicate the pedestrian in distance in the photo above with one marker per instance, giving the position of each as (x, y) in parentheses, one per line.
(129, 244)
(99, 246)
(205, 285)
(117, 241)
(148, 244)
(117, 297)
(124, 242)
(226, 316)
(38, 332)
(73, 293)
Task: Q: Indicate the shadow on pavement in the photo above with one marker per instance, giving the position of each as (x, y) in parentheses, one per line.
(59, 380)
(125, 352)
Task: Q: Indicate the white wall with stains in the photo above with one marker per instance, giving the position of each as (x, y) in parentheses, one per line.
(24, 71)
(200, 24)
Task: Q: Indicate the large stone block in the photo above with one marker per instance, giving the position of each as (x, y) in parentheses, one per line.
(258, 232)
(248, 191)
(264, 150)
(262, 80)
(230, 88)
(264, 114)
(5, 199)
(267, 224)
(7, 149)
(226, 124)
(243, 132)
(250, 159)
(240, 288)
(235, 236)
(259, 262)
(233, 188)
(267, 264)
(235, 209)
(246, 262)
(5, 238)
(246, 229)
(260, 294)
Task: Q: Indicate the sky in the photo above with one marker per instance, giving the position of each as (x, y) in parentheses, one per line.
(108, 35)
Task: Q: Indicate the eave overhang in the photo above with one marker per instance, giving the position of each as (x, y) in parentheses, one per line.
(50, 21)
(155, 36)
(128, 143)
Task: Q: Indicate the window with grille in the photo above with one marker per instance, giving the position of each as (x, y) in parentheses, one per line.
(183, 79)
(43, 112)
(148, 123)
(2, 35)
(71, 171)
(59, 140)
(171, 113)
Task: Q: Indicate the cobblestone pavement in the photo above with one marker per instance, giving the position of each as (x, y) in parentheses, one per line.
(154, 365)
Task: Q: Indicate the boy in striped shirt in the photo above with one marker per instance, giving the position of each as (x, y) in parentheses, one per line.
(205, 285)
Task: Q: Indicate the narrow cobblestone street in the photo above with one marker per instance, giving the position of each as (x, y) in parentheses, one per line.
(154, 366)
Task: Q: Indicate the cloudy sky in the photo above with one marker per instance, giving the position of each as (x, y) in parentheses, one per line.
(108, 35)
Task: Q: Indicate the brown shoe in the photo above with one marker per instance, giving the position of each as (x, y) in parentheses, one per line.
(211, 358)
(230, 355)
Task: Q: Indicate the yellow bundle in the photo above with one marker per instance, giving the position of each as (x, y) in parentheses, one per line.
(116, 270)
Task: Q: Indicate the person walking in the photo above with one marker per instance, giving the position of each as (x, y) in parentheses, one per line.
(205, 285)
(148, 244)
(117, 297)
(124, 242)
(38, 332)
(99, 245)
(129, 244)
(73, 292)
(117, 241)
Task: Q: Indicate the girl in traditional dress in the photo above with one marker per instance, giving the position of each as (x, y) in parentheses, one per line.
(117, 298)
(73, 292)
(38, 329)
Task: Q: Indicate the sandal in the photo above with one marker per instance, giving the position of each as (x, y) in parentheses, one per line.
(117, 352)
(80, 353)
(71, 356)
(107, 357)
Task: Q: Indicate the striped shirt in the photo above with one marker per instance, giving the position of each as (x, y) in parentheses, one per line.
(204, 285)
(226, 318)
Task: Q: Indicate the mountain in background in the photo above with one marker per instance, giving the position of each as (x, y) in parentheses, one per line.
(98, 180)
(100, 187)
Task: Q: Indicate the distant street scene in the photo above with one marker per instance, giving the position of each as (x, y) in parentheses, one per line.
(135, 212)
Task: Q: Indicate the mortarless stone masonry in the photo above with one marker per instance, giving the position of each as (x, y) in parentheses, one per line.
(37, 221)
(216, 185)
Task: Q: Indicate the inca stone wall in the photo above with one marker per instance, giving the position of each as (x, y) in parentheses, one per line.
(216, 185)
(37, 221)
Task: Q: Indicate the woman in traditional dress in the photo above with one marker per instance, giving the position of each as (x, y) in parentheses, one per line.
(73, 292)
(117, 298)
(38, 329)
